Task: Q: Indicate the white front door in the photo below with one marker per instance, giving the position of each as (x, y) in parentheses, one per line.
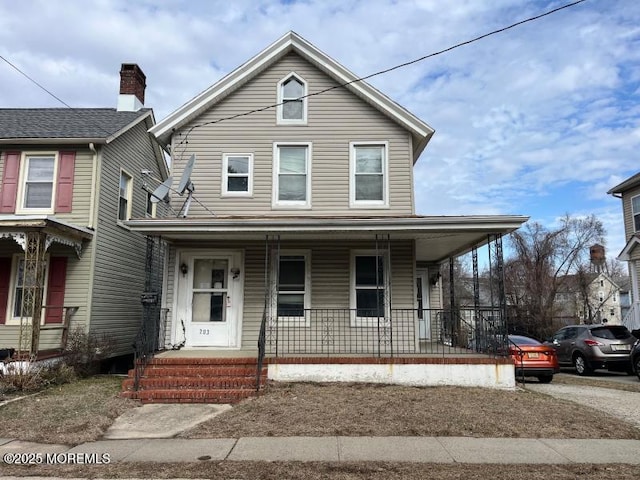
(210, 297)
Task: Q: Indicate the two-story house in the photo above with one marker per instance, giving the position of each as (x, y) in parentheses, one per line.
(629, 192)
(302, 238)
(71, 177)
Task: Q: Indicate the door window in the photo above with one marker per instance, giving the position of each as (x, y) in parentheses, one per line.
(210, 290)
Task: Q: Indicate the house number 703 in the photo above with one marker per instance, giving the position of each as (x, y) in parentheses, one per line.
(204, 331)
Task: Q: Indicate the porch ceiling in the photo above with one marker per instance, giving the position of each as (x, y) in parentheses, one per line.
(437, 237)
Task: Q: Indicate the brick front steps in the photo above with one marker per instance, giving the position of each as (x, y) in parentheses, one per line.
(195, 380)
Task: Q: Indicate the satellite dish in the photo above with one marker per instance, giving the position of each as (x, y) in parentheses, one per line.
(185, 180)
(186, 185)
(161, 194)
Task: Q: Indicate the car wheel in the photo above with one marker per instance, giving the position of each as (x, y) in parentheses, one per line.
(636, 362)
(581, 365)
(545, 378)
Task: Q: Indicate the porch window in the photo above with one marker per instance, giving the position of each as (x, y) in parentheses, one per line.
(237, 178)
(124, 197)
(293, 286)
(292, 106)
(635, 209)
(292, 180)
(368, 287)
(368, 183)
(39, 174)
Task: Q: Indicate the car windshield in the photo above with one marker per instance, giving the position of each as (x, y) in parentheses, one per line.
(520, 340)
(611, 333)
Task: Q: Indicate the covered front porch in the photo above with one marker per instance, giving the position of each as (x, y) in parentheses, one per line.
(39, 256)
(327, 293)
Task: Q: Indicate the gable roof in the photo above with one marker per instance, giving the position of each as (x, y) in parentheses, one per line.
(292, 42)
(625, 254)
(65, 125)
(628, 184)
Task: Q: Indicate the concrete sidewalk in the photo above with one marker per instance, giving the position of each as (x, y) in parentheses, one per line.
(336, 449)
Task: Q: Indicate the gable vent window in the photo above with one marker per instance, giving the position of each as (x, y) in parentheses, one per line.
(292, 107)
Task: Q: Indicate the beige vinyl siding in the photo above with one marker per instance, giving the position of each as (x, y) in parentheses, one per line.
(119, 270)
(330, 278)
(82, 187)
(78, 270)
(627, 211)
(335, 119)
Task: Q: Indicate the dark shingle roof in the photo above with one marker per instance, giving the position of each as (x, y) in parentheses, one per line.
(64, 122)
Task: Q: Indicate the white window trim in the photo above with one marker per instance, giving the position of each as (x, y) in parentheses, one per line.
(285, 204)
(129, 197)
(279, 109)
(275, 255)
(353, 203)
(10, 319)
(633, 214)
(372, 322)
(23, 179)
(225, 176)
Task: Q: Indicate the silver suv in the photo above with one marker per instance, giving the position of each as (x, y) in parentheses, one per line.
(589, 347)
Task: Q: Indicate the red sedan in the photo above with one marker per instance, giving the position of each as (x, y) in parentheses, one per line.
(532, 358)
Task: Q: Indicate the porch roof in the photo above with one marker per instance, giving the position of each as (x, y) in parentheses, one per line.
(437, 237)
(56, 230)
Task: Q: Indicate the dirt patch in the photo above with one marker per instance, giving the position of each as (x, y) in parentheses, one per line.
(70, 414)
(305, 409)
(322, 470)
(596, 382)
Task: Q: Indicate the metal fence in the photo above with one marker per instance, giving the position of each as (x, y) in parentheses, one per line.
(396, 332)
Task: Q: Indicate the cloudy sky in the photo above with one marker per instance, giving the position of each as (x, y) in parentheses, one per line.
(540, 120)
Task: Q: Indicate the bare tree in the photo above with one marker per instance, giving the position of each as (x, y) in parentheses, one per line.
(538, 268)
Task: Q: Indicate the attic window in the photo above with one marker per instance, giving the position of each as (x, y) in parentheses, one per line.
(292, 107)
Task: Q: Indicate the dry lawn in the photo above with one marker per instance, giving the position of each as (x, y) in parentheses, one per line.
(70, 414)
(597, 381)
(322, 470)
(306, 409)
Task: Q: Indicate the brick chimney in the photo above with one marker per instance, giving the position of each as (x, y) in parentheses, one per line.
(132, 84)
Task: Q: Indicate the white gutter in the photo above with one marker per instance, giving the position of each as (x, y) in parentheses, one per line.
(94, 190)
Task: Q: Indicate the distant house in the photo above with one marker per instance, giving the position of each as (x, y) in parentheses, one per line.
(304, 241)
(71, 178)
(589, 298)
(629, 192)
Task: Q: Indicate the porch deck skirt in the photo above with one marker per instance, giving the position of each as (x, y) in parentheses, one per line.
(415, 371)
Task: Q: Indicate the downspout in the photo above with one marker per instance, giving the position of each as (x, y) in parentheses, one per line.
(93, 221)
(94, 190)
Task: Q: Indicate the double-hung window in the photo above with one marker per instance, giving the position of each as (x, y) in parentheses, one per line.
(635, 211)
(292, 175)
(38, 182)
(369, 183)
(368, 287)
(124, 196)
(292, 102)
(21, 306)
(237, 178)
(293, 285)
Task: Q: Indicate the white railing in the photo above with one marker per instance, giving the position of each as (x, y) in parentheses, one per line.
(632, 319)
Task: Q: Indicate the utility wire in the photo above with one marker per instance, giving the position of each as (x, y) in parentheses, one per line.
(396, 67)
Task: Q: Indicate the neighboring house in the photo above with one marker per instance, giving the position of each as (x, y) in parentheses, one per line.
(70, 179)
(589, 298)
(304, 229)
(629, 192)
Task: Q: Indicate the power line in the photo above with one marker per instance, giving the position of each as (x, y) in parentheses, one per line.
(387, 70)
(36, 83)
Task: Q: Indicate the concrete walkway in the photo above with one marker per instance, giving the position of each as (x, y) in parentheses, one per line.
(333, 449)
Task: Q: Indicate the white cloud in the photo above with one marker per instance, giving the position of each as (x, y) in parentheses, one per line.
(547, 104)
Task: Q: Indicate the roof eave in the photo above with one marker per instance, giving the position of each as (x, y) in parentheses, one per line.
(56, 141)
